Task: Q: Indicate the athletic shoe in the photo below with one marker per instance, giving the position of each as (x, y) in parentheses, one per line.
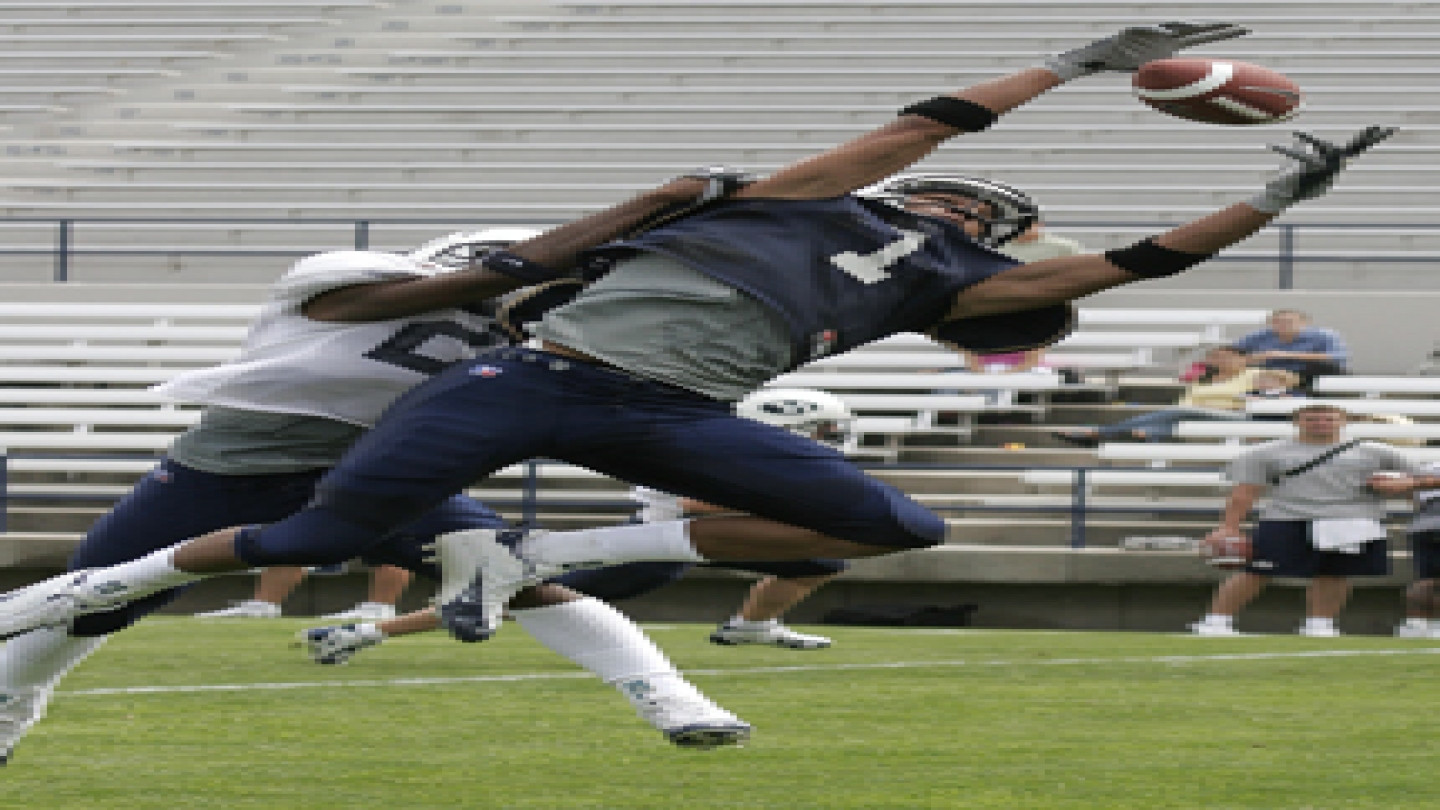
(1408, 631)
(48, 603)
(339, 643)
(479, 575)
(686, 717)
(19, 710)
(1212, 630)
(1318, 632)
(364, 612)
(770, 632)
(246, 609)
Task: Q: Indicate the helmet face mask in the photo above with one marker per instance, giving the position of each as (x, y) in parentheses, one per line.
(1014, 210)
(462, 249)
(817, 415)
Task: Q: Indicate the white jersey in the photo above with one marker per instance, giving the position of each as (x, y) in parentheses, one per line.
(347, 372)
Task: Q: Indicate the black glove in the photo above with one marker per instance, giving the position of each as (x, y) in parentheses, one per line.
(1312, 168)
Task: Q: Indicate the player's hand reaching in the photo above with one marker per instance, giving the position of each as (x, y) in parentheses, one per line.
(1133, 47)
(1312, 166)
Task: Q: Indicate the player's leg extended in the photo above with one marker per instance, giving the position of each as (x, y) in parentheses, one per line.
(797, 499)
(584, 630)
(169, 504)
(432, 443)
(803, 500)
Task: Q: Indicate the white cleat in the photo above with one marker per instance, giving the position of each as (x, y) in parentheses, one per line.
(338, 644)
(48, 603)
(685, 716)
(247, 609)
(364, 612)
(19, 710)
(1410, 631)
(771, 632)
(478, 576)
(1318, 632)
(1208, 630)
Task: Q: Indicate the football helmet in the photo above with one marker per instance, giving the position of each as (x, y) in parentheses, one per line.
(817, 415)
(459, 250)
(1015, 210)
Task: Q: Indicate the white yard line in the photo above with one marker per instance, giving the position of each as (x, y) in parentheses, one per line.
(551, 676)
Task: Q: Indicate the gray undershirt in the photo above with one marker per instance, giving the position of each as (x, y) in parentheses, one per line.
(228, 441)
(657, 318)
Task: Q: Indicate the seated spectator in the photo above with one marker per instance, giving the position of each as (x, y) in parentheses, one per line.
(1223, 396)
(1289, 342)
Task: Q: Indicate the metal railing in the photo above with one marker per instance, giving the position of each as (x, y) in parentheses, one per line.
(1286, 256)
(533, 500)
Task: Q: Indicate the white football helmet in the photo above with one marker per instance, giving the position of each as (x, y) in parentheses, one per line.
(1015, 210)
(460, 249)
(817, 415)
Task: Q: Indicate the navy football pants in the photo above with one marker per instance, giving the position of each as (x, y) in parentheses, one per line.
(510, 405)
(174, 503)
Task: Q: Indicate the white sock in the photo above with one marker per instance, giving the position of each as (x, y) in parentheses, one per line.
(1218, 619)
(132, 580)
(667, 541)
(1417, 623)
(597, 637)
(40, 658)
(1317, 623)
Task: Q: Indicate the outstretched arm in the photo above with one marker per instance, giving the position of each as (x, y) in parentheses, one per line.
(1312, 168)
(555, 251)
(923, 127)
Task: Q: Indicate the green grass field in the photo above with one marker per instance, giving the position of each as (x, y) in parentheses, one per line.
(180, 713)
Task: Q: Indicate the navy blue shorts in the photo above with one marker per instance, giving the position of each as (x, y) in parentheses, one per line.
(1425, 554)
(1282, 549)
(617, 582)
(173, 503)
(510, 405)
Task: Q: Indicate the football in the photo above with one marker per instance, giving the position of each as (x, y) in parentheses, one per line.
(1215, 91)
(1226, 552)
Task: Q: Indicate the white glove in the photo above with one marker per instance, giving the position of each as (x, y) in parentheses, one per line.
(1133, 47)
(1311, 171)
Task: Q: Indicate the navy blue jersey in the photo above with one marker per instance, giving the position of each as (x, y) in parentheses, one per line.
(841, 271)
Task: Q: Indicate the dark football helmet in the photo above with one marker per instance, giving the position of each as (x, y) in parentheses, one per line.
(1015, 210)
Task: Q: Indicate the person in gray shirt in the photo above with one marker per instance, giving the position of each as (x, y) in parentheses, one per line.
(1424, 530)
(1321, 520)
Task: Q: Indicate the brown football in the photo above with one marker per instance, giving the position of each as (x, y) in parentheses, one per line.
(1217, 91)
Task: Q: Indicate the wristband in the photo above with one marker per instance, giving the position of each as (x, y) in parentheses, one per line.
(966, 116)
(508, 264)
(1149, 260)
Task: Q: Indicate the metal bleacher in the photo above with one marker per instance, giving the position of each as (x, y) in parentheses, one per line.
(462, 111)
(220, 138)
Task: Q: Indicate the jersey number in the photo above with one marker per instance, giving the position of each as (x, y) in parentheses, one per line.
(871, 268)
(402, 347)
